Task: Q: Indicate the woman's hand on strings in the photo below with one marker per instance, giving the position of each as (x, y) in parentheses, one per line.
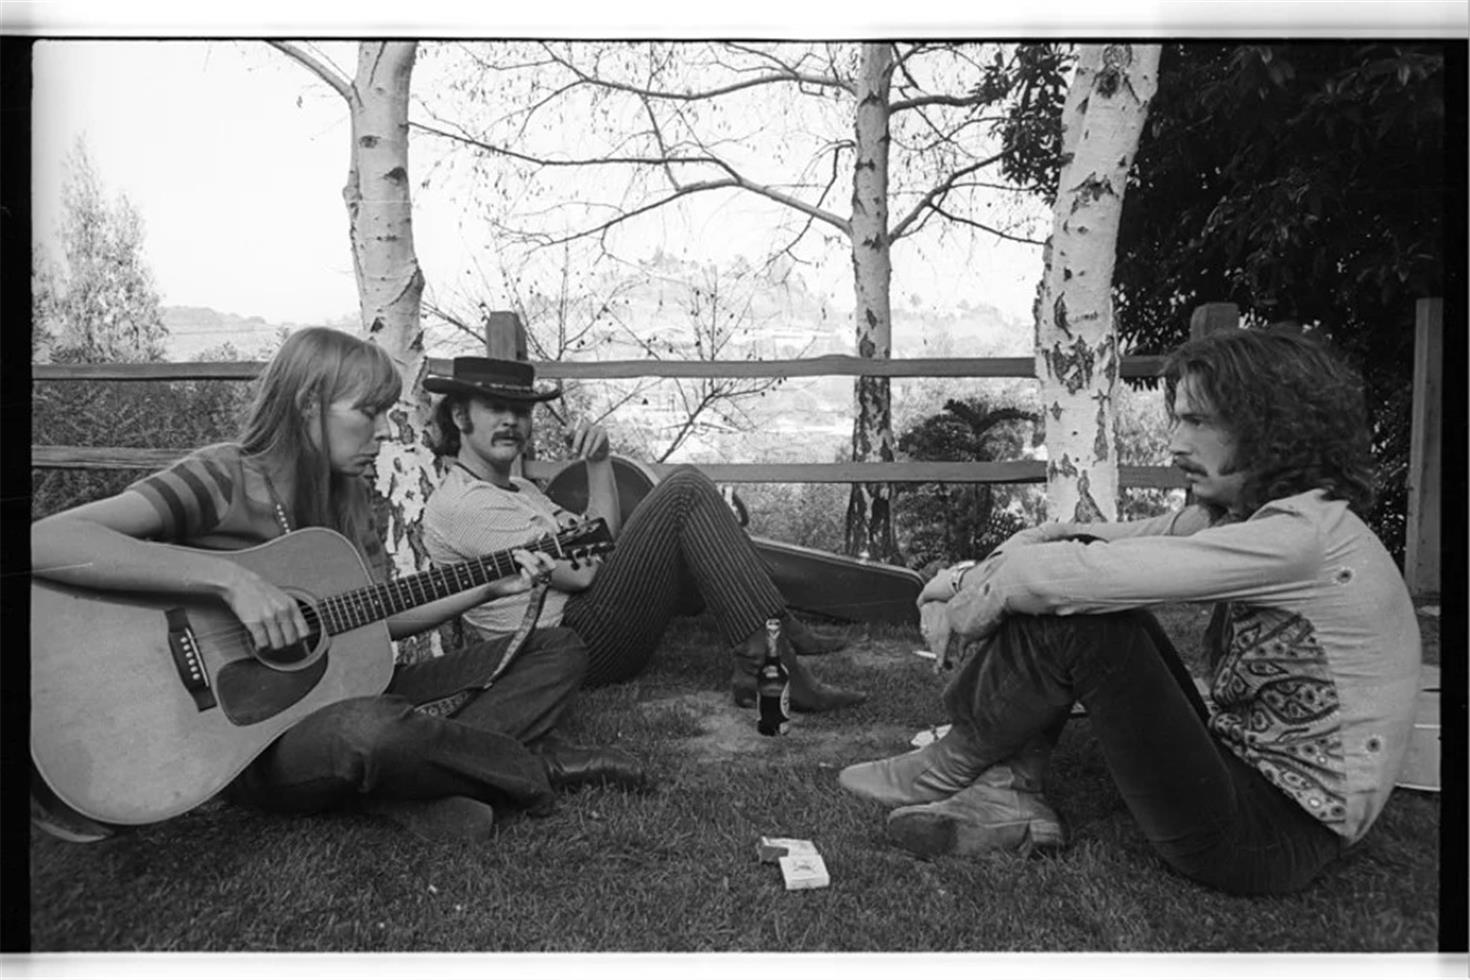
(272, 617)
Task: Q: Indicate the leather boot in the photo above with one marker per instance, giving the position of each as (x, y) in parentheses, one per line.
(938, 770)
(570, 767)
(1002, 811)
(807, 693)
(806, 641)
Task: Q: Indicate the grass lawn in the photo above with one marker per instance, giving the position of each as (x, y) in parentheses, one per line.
(676, 869)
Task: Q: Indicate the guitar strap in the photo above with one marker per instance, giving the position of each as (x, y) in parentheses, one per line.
(449, 704)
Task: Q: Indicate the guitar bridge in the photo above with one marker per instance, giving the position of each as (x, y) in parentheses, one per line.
(188, 661)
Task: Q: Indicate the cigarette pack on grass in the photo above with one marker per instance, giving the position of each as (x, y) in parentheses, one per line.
(804, 871)
(774, 848)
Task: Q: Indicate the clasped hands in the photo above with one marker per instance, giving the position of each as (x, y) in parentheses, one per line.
(935, 612)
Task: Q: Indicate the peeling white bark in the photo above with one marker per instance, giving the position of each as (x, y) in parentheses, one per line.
(869, 518)
(390, 287)
(390, 283)
(1077, 355)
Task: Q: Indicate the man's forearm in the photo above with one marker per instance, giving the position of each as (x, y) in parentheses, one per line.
(1174, 523)
(602, 493)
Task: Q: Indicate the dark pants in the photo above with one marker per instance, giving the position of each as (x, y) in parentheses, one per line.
(381, 747)
(682, 532)
(1208, 814)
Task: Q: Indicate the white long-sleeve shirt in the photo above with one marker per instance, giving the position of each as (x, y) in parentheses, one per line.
(1315, 654)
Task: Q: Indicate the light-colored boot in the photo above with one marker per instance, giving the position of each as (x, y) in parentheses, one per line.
(934, 772)
(1002, 811)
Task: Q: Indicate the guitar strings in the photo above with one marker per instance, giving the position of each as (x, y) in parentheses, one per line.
(238, 632)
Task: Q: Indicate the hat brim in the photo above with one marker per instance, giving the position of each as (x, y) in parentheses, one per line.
(452, 386)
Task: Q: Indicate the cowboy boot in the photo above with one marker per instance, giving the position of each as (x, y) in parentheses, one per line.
(938, 770)
(571, 767)
(1003, 810)
(806, 641)
(807, 693)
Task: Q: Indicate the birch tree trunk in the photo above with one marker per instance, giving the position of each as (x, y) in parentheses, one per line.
(1077, 356)
(390, 285)
(869, 515)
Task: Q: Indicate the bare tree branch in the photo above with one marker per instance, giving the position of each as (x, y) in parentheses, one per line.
(961, 219)
(784, 74)
(935, 195)
(318, 68)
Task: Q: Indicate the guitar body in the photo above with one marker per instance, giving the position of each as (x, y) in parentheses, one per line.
(118, 732)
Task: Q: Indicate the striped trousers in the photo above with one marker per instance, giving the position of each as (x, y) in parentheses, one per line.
(682, 533)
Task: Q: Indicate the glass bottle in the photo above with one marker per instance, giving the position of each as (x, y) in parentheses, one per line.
(773, 686)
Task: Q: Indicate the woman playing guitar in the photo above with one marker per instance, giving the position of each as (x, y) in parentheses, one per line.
(311, 436)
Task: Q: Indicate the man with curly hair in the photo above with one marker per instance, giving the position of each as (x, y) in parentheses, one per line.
(1314, 649)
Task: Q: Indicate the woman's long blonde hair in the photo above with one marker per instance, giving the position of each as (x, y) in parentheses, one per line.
(315, 367)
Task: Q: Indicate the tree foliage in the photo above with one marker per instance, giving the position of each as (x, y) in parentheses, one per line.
(179, 415)
(98, 303)
(1301, 181)
(944, 522)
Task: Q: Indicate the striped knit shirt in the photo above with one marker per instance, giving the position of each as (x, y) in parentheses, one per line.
(217, 498)
(467, 517)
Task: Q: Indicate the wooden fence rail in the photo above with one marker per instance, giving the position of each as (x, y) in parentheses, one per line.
(830, 365)
(1014, 471)
(1422, 562)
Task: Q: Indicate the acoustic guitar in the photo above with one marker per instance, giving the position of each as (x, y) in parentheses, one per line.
(145, 705)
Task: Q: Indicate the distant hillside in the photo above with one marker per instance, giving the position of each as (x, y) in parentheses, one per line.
(792, 324)
(196, 330)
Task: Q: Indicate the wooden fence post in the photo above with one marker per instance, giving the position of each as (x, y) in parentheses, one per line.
(1421, 535)
(505, 336)
(1209, 318)
(505, 340)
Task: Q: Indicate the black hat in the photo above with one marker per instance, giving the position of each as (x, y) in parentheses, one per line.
(489, 377)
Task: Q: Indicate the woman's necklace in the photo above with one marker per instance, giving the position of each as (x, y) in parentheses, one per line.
(276, 502)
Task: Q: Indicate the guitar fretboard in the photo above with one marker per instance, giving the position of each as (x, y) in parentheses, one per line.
(350, 610)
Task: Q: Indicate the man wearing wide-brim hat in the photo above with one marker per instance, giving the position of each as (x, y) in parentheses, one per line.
(492, 378)
(681, 533)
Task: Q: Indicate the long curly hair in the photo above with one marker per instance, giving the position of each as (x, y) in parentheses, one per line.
(1295, 409)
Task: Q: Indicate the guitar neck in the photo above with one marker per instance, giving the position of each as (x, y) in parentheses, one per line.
(351, 610)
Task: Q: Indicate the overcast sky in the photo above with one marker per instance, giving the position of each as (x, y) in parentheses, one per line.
(235, 157)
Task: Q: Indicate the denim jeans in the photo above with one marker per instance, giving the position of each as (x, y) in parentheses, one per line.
(381, 747)
(1209, 815)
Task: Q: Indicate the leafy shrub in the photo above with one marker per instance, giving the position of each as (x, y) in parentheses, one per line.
(182, 415)
(940, 523)
(806, 514)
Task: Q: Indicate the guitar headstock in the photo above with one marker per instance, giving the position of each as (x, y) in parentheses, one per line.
(584, 552)
(582, 541)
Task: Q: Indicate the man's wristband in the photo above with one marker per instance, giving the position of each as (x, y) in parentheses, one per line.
(957, 576)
